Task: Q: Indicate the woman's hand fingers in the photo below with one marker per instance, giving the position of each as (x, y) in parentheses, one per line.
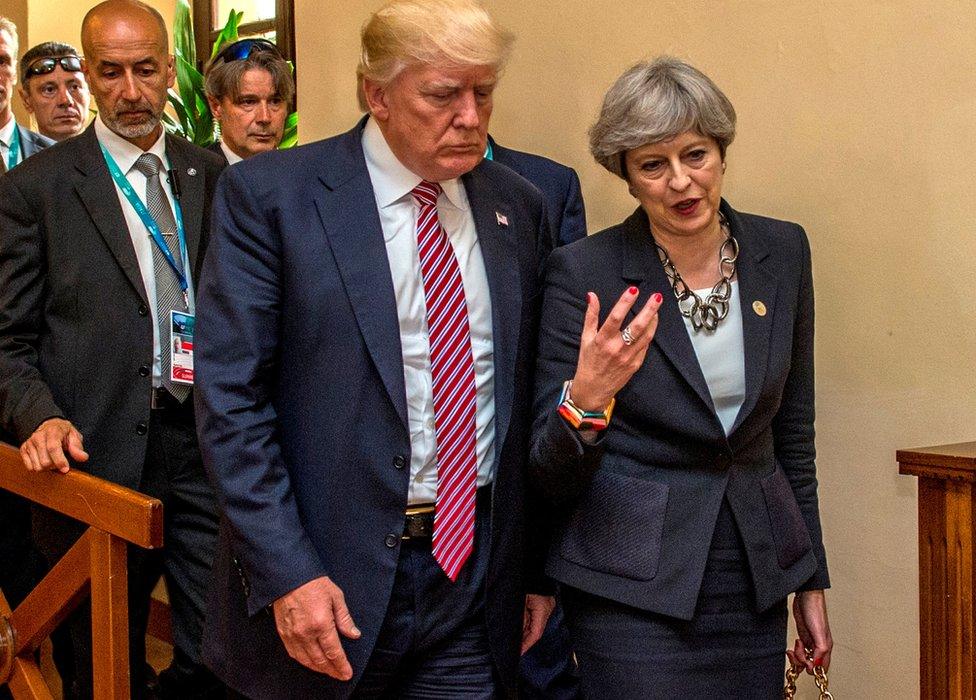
(591, 321)
(612, 326)
(644, 324)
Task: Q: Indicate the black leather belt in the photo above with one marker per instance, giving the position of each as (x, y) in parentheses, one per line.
(161, 399)
(419, 523)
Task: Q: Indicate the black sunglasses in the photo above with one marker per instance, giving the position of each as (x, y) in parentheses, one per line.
(43, 66)
(242, 50)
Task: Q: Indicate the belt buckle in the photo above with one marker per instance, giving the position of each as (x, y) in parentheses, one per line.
(419, 523)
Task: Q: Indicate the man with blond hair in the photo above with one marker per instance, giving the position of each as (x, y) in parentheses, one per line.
(370, 305)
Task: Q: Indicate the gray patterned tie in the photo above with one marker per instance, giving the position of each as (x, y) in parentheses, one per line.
(169, 296)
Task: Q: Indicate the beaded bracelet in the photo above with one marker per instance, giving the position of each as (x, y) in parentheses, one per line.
(580, 419)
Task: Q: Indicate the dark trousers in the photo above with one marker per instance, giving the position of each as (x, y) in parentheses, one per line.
(173, 472)
(434, 639)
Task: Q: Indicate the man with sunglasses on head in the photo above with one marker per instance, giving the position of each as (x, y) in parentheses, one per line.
(102, 239)
(16, 143)
(54, 90)
(249, 86)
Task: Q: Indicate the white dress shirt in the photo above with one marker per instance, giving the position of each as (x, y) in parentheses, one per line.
(125, 155)
(229, 154)
(6, 136)
(721, 354)
(392, 185)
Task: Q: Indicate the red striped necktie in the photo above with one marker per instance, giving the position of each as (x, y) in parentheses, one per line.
(452, 377)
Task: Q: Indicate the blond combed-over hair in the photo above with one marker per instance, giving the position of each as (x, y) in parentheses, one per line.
(453, 33)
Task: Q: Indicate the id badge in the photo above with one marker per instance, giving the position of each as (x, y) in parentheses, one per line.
(181, 347)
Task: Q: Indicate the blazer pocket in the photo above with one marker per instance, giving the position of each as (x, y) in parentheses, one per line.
(616, 527)
(790, 532)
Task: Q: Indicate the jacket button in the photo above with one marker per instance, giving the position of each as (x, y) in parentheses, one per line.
(399, 462)
(143, 310)
(391, 541)
(141, 428)
(144, 371)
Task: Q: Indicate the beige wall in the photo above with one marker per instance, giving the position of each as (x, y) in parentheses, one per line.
(58, 20)
(16, 11)
(855, 119)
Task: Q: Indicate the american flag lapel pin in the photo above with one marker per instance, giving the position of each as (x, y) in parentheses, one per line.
(501, 219)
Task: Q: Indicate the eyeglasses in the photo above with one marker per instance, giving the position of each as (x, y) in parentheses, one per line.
(242, 50)
(43, 66)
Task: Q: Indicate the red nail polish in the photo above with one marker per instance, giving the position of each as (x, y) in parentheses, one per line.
(658, 298)
(632, 290)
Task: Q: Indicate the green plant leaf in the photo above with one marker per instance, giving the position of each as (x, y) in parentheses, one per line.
(290, 136)
(176, 102)
(184, 43)
(228, 35)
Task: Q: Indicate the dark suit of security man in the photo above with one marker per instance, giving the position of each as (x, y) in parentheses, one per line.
(83, 348)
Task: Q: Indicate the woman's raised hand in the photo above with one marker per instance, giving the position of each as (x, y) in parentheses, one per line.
(610, 354)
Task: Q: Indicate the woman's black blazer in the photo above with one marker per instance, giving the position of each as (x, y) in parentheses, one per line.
(635, 513)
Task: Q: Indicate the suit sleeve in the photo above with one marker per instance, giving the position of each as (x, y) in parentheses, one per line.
(25, 398)
(793, 425)
(560, 463)
(573, 224)
(238, 314)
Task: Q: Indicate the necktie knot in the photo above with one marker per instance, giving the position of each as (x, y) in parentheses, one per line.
(149, 164)
(426, 193)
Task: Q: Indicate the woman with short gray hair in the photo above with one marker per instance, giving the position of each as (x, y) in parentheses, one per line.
(674, 431)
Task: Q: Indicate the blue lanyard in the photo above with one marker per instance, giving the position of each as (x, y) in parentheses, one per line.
(150, 222)
(489, 152)
(13, 152)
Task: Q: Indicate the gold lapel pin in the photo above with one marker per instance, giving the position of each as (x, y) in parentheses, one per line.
(759, 308)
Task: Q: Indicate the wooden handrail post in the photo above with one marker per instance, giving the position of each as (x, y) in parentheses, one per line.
(947, 579)
(95, 564)
(110, 617)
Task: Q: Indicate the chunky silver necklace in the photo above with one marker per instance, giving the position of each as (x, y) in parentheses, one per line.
(707, 313)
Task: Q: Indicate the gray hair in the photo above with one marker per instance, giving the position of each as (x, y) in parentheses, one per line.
(405, 32)
(655, 101)
(7, 25)
(223, 78)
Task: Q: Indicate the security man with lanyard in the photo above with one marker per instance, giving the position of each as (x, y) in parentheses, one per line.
(102, 241)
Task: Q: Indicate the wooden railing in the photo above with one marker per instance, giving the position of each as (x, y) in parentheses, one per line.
(95, 566)
(946, 577)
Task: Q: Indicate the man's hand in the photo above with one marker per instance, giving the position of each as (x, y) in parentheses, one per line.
(45, 450)
(309, 620)
(538, 608)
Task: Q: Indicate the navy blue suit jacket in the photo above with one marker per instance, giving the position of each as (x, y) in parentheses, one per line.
(639, 508)
(302, 408)
(33, 142)
(559, 184)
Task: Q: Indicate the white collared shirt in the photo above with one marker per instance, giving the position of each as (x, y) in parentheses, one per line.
(125, 154)
(6, 136)
(229, 154)
(392, 185)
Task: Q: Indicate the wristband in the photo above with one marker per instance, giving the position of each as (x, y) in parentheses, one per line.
(580, 419)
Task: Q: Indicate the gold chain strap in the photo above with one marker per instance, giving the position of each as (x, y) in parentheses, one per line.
(819, 677)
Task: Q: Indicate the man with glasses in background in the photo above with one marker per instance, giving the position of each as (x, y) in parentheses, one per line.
(54, 90)
(16, 142)
(249, 87)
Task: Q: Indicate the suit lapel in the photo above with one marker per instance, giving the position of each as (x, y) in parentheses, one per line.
(347, 209)
(97, 193)
(191, 173)
(641, 262)
(499, 249)
(756, 284)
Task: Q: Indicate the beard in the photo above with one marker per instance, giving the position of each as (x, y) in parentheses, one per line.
(129, 130)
